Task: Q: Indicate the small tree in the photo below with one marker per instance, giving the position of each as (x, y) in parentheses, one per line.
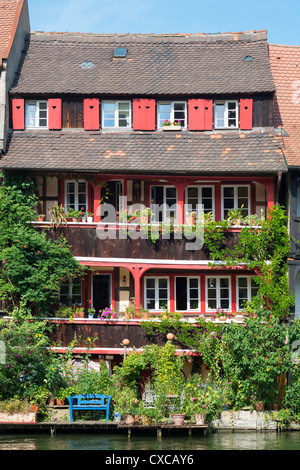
(32, 267)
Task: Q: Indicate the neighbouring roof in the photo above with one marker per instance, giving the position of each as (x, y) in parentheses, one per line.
(212, 153)
(285, 64)
(155, 64)
(9, 10)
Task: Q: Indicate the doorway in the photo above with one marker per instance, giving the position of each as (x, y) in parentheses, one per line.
(101, 291)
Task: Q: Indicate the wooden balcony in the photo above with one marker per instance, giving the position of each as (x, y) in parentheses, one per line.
(89, 241)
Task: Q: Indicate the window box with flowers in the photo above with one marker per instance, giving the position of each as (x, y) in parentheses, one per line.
(171, 126)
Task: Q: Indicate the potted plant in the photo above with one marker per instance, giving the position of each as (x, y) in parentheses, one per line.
(89, 217)
(91, 312)
(61, 396)
(235, 216)
(106, 313)
(41, 217)
(127, 404)
(75, 215)
(57, 215)
(79, 312)
(222, 315)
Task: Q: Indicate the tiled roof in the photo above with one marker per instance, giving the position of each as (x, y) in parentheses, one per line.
(285, 64)
(156, 64)
(160, 152)
(8, 10)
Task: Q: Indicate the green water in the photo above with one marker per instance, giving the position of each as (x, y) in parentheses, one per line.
(222, 440)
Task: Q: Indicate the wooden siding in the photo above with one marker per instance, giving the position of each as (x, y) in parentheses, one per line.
(106, 334)
(85, 243)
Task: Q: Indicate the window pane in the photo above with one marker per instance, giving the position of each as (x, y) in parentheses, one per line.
(212, 304)
(163, 283)
(30, 114)
(151, 283)
(164, 113)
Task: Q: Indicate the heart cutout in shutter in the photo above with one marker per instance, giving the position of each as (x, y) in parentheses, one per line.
(196, 107)
(92, 107)
(18, 107)
(54, 107)
(147, 107)
(206, 109)
(246, 107)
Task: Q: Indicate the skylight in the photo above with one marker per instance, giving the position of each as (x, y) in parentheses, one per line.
(120, 52)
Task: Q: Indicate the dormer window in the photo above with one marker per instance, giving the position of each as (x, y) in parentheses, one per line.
(36, 114)
(171, 111)
(226, 114)
(116, 114)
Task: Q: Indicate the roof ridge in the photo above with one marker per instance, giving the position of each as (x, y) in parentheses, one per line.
(255, 35)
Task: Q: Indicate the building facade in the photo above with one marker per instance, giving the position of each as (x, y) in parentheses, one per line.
(88, 121)
(285, 64)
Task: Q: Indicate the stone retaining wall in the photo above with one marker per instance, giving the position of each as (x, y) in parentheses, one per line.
(250, 420)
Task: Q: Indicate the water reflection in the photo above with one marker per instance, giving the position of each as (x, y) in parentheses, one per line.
(223, 440)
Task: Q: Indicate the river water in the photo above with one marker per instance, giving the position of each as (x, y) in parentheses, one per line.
(222, 440)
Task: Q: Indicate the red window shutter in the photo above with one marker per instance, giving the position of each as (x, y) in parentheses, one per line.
(54, 113)
(18, 114)
(143, 111)
(200, 115)
(91, 110)
(246, 112)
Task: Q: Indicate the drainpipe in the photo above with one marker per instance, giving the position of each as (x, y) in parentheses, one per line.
(3, 102)
(279, 179)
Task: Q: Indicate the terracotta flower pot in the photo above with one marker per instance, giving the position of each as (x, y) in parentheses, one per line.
(129, 419)
(178, 419)
(223, 318)
(60, 402)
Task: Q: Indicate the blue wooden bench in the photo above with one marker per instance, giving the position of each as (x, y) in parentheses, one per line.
(89, 402)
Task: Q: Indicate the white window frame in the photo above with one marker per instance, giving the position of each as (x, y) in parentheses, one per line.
(235, 196)
(37, 114)
(218, 297)
(70, 295)
(164, 214)
(189, 309)
(172, 112)
(249, 290)
(156, 287)
(226, 111)
(200, 197)
(76, 203)
(116, 120)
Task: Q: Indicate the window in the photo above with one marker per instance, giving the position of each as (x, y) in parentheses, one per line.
(71, 292)
(201, 196)
(157, 293)
(236, 197)
(171, 111)
(36, 113)
(116, 114)
(76, 195)
(247, 288)
(187, 293)
(163, 203)
(226, 114)
(218, 293)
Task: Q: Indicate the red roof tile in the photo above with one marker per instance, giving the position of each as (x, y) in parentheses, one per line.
(285, 65)
(9, 12)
